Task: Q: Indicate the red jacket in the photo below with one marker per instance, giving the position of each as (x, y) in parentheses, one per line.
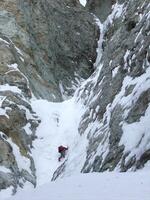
(62, 148)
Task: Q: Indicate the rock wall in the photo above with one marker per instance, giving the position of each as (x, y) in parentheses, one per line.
(117, 95)
(59, 39)
(18, 122)
(100, 8)
(47, 47)
(118, 106)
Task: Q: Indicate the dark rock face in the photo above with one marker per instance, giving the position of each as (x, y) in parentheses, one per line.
(59, 40)
(16, 114)
(143, 159)
(121, 101)
(47, 47)
(59, 171)
(116, 96)
(100, 8)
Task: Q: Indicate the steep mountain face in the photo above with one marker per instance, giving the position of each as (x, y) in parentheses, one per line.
(16, 118)
(47, 48)
(117, 95)
(100, 8)
(58, 39)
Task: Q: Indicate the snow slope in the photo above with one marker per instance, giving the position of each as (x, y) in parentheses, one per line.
(59, 126)
(95, 186)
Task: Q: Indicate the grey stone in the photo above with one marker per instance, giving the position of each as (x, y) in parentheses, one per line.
(51, 63)
(17, 108)
(100, 8)
(143, 159)
(118, 38)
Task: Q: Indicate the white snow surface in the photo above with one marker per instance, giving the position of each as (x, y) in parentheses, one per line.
(2, 40)
(4, 169)
(14, 66)
(10, 88)
(59, 126)
(83, 2)
(23, 162)
(94, 186)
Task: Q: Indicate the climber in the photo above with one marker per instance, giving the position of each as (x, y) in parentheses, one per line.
(62, 150)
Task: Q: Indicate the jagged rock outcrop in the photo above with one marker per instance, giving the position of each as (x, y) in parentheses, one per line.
(120, 100)
(46, 49)
(117, 95)
(18, 122)
(59, 40)
(100, 8)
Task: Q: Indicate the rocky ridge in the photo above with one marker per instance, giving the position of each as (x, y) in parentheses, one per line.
(54, 67)
(120, 99)
(117, 96)
(39, 58)
(17, 119)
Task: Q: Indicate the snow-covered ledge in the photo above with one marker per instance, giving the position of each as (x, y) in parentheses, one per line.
(83, 2)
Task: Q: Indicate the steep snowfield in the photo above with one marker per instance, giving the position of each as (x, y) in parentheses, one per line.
(59, 126)
(95, 186)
